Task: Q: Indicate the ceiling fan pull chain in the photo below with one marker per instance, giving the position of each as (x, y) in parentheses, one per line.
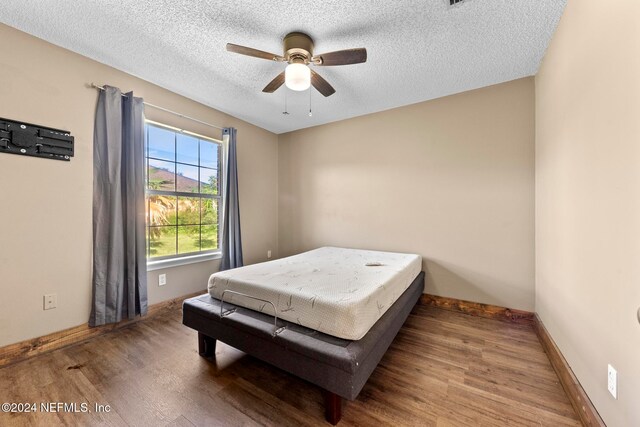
(285, 112)
(310, 103)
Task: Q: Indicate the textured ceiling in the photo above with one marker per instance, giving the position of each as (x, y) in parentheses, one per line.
(417, 49)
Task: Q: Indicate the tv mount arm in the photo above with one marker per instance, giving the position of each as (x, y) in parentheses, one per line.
(34, 140)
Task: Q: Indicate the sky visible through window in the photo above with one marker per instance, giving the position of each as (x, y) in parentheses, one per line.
(168, 145)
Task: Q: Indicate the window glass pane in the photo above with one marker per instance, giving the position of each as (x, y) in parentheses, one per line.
(162, 241)
(187, 178)
(162, 143)
(187, 147)
(181, 163)
(209, 181)
(209, 154)
(146, 234)
(209, 237)
(146, 213)
(188, 239)
(161, 175)
(209, 211)
(162, 210)
(188, 210)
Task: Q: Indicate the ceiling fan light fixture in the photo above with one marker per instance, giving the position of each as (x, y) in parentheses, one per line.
(298, 53)
(297, 77)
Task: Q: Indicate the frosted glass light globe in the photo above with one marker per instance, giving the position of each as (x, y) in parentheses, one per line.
(297, 77)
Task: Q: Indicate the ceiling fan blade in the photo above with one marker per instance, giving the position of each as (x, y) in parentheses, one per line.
(274, 84)
(321, 84)
(243, 50)
(341, 57)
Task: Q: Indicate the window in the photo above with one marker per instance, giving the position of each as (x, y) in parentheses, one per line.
(183, 194)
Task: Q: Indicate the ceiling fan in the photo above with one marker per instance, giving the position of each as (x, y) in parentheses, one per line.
(298, 53)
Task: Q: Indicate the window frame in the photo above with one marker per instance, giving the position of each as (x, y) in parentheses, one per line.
(154, 263)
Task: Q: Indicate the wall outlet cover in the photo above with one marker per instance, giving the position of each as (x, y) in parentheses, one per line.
(612, 381)
(50, 301)
(162, 279)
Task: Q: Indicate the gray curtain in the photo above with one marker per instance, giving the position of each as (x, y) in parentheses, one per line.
(231, 240)
(119, 253)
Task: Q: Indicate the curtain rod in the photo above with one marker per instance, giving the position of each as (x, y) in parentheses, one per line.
(93, 85)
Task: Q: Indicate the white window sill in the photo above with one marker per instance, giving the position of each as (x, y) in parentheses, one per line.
(175, 262)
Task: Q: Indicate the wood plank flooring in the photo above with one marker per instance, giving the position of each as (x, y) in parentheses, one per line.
(443, 369)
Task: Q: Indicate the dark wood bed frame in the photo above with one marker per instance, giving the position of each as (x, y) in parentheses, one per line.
(340, 367)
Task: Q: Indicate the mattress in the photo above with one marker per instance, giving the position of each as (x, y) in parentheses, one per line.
(337, 291)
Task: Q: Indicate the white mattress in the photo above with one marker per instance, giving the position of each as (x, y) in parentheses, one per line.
(331, 290)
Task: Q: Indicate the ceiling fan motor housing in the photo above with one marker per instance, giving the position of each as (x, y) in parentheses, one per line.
(298, 47)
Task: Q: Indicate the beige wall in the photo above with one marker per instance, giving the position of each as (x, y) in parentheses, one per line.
(450, 179)
(45, 205)
(588, 199)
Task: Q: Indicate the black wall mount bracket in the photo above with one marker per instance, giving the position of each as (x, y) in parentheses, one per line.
(34, 140)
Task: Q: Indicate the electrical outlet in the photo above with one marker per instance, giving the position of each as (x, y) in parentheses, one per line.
(612, 382)
(269, 254)
(50, 301)
(162, 279)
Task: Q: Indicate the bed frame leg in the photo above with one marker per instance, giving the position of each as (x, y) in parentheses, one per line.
(206, 346)
(332, 407)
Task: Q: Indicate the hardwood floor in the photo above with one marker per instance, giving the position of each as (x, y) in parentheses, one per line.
(443, 369)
